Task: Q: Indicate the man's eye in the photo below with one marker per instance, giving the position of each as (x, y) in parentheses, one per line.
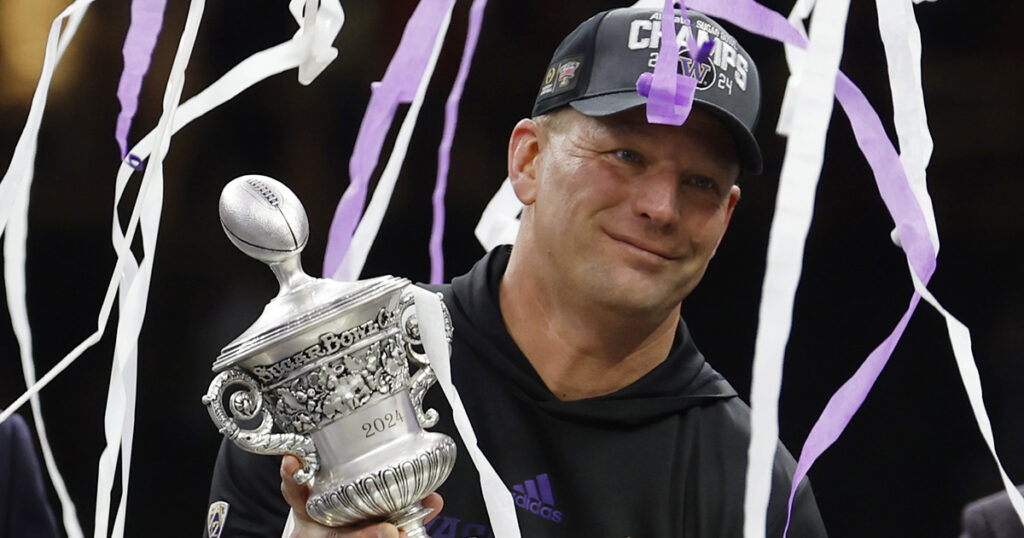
(702, 182)
(628, 155)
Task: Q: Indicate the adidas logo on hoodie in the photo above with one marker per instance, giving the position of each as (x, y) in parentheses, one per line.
(536, 497)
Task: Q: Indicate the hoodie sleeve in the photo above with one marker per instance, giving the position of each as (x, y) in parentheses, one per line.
(806, 521)
(24, 507)
(245, 496)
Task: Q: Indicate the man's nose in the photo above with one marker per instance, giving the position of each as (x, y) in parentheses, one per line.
(657, 197)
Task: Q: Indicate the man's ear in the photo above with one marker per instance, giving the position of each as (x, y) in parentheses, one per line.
(734, 198)
(524, 147)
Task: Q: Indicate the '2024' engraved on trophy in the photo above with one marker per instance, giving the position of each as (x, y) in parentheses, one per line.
(382, 423)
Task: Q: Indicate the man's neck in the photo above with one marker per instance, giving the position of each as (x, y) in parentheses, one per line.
(580, 351)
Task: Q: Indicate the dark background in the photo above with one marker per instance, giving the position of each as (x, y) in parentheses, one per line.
(905, 467)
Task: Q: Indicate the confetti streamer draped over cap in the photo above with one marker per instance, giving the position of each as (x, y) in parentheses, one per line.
(147, 20)
(398, 85)
(670, 94)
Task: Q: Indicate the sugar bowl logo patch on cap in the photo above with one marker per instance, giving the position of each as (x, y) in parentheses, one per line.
(215, 519)
(567, 73)
(560, 77)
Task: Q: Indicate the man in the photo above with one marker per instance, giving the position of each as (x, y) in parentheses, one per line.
(585, 390)
(991, 516)
(24, 507)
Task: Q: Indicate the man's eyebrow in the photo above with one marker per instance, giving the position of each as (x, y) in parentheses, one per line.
(718, 155)
(630, 128)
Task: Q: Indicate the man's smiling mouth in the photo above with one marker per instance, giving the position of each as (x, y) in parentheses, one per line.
(643, 247)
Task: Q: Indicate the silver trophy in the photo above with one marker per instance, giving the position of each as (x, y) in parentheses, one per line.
(324, 374)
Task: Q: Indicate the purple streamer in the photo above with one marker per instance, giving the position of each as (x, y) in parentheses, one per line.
(451, 118)
(398, 85)
(147, 20)
(899, 200)
(913, 233)
(670, 94)
(845, 403)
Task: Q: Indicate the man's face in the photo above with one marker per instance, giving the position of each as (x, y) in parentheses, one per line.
(622, 213)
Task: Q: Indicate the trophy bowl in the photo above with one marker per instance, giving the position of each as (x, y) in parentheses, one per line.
(324, 374)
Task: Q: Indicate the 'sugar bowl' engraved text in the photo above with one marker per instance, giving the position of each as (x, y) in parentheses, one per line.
(329, 344)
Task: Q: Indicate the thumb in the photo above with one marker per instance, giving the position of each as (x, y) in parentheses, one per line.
(296, 494)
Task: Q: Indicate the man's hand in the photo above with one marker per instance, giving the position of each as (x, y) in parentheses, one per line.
(305, 527)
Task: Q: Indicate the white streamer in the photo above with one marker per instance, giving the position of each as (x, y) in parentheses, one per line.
(14, 277)
(318, 28)
(795, 59)
(902, 40)
(119, 417)
(259, 66)
(499, 223)
(366, 232)
(798, 181)
(14, 196)
(255, 68)
(501, 509)
(289, 525)
(19, 174)
(960, 338)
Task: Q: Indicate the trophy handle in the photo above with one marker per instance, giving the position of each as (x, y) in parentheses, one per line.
(246, 404)
(424, 377)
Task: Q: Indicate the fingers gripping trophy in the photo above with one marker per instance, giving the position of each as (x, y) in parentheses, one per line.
(324, 375)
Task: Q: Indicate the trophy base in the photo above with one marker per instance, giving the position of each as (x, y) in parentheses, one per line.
(410, 520)
(397, 478)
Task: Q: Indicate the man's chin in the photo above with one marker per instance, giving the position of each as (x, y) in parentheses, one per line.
(641, 298)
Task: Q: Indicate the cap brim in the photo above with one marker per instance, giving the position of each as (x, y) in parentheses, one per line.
(747, 149)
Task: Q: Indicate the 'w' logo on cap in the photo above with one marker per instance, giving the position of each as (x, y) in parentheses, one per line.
(698, 71)
(536, 497)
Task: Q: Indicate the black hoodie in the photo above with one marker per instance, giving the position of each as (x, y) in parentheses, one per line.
(662, 457)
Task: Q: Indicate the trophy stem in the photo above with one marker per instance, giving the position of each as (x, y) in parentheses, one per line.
(410, 520)
(289, 274)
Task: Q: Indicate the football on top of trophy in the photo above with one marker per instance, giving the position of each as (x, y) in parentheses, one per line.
(263, 218)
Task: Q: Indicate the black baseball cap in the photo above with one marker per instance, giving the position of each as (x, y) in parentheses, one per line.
(595, 71)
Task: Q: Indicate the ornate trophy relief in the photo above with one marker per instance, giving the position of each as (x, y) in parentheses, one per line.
(325, 372)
